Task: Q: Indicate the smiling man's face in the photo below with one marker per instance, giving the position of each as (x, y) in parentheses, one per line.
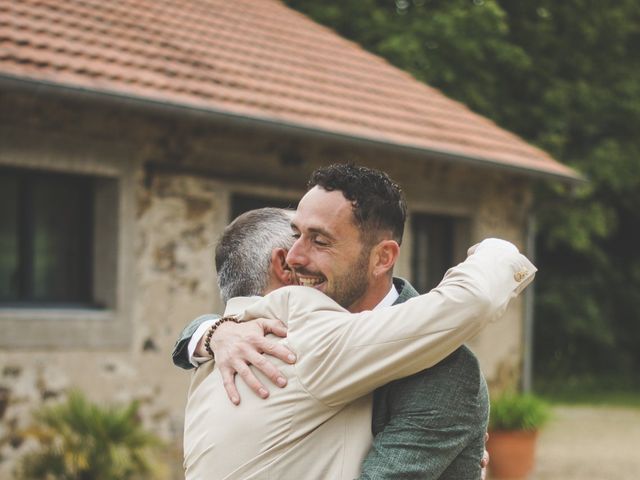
(328, 253)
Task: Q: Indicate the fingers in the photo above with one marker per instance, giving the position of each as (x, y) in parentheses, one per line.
(485, 459)
(229, 382)
(268, 369)
(237, 346)
(275, 349)
(485, 456)
(240, 367)
(264, 365)
(250, 379)
(273, 326)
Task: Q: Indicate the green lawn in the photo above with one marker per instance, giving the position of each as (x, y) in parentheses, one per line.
(609, 391)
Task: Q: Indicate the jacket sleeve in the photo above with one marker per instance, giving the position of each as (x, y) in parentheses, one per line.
(180, 354)
(343, 356)
(437, 418)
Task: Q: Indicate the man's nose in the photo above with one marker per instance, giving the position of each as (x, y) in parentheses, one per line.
(296, 256)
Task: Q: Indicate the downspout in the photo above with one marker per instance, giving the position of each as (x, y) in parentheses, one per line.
(529, 298)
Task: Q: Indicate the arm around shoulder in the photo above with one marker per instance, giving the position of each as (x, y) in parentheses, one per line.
(344, 356)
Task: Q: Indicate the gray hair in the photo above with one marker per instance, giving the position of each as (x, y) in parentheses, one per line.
(243, 253)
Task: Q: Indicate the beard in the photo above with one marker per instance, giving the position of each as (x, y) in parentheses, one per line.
(353, 284)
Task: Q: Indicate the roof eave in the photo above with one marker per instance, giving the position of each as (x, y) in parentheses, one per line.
(26, 83)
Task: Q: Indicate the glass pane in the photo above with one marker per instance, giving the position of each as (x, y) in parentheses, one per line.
(62, 238)
(9, 275)
(433, 240)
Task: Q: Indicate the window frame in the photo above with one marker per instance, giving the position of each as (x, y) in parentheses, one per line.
(85, 327)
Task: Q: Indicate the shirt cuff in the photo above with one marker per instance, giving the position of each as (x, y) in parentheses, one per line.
(193, 343)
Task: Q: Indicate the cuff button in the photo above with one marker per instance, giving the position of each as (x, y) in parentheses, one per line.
(520, 275)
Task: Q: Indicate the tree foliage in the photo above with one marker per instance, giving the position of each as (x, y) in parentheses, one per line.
(566, 77)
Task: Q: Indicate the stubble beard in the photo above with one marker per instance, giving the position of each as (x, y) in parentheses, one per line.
(353, 284)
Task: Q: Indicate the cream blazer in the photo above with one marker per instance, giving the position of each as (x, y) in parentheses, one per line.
(319, 425)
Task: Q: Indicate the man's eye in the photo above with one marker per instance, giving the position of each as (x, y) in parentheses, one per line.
(295, 235)
(320, 243)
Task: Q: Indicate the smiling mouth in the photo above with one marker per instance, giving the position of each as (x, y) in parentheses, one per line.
(310, 281)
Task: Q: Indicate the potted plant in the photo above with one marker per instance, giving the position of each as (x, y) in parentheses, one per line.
(513, 428)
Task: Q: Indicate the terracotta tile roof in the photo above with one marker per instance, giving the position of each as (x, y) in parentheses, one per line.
(254, 58)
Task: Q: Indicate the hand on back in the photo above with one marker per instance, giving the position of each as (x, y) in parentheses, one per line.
(236, 346)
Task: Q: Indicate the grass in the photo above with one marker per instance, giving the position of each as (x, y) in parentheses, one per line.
(594, 391)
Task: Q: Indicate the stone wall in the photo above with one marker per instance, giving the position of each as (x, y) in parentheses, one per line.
(174, 281)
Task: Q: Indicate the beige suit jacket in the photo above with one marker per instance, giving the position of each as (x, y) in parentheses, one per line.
(319, 426)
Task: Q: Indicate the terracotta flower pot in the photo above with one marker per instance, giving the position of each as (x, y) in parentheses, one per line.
(511, 454)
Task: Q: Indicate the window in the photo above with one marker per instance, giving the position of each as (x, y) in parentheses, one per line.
(64, 258)
(46, 255)
(438, 241)
(241, 203)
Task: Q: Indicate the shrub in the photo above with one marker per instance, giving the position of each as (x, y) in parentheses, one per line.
(80, 440)
(513, 411)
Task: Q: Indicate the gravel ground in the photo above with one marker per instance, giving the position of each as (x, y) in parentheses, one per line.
(594, 443)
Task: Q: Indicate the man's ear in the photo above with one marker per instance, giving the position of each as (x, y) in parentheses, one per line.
(281, 270)
(384, 256)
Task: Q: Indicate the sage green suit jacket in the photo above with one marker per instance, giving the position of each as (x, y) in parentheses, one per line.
(432, 424)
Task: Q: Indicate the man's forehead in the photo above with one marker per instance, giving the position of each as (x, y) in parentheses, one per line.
(320, 209)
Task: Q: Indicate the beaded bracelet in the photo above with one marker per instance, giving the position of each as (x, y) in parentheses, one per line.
(211, 331)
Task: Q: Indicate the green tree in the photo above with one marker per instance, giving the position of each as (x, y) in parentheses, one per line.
(585, 79)
(455, 45)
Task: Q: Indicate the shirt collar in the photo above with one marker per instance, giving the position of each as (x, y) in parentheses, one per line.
(389, 298)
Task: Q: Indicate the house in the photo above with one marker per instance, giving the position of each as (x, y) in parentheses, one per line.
(132, 132)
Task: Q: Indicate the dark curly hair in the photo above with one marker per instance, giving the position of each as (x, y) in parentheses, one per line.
(378, 202)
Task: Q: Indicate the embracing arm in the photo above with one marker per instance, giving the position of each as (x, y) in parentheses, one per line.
(236, 346)
(180, 354)
(344, 356)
